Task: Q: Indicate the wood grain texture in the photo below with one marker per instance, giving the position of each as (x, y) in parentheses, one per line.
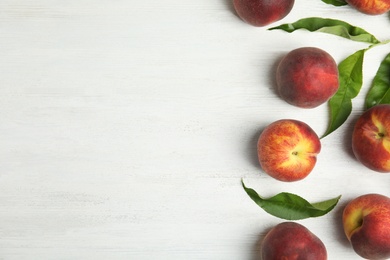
(126, 127)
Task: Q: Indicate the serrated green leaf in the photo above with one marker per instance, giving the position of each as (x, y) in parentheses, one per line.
(379, 92)
(290, 206)
(330, 26)
(351, 81)
(335, 2)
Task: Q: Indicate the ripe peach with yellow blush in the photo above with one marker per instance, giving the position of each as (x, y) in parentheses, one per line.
(366, 221)
(287, 149)
(371, 7)
(371, 138)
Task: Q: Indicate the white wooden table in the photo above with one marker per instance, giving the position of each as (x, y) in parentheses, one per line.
(126, 127)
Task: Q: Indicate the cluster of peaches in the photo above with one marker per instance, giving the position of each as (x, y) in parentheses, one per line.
(287, 149)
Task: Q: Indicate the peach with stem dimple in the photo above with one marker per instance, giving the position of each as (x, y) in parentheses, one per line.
(371, 138)
(366, 221)
(287, 149)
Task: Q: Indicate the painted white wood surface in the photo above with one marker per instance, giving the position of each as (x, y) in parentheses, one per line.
(126, 127)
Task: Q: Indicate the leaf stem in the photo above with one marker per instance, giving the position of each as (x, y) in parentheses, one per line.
(378, 44)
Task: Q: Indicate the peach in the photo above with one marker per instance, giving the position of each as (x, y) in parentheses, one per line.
(292, 241)
(371, 138)
(287, 149)
(262, 12)
(366, 221)
(372, 7)
(307, 77)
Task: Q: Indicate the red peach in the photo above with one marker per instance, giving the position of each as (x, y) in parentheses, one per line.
(371, 138)
(262, 12)
(372, 7)
(287, 150)
(292, 241)
(366, 221)
(307, 77)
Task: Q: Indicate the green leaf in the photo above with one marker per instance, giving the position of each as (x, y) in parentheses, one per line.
(379, 92)
(351, 81)
(330, 26)
(335, 2)
(290, 206)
